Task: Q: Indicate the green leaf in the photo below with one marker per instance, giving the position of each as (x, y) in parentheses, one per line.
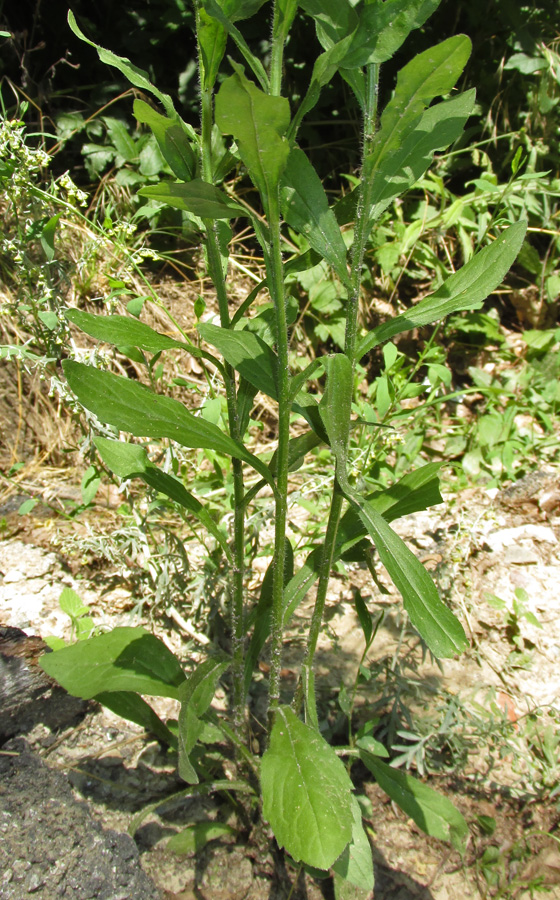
(47, 236)
(122, 331)
(258, 122)
(72, 604)
(197, 197)
(260, 616)
(247, 353)
(430, 74)
(136, 76)
(432, 812)
(440, 126)
(48, 318)
(306, 209)
(226, 14)
(336, 405)
(356, 863)
(196, 695)
(133, 407)
(334, 19)
(307, 793)
(434, 621)
(135, 306)
(324, 68)
(131, 461)
(124, 659)
(383, 27)
(195, 837)
(173, 137)
(212, 40)
(465, 289)
(132, 707)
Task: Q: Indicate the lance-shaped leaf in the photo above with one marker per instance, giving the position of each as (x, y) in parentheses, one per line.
(173, 137)
(212, 40)
(438, 127)
(430, 74)
(131, 461)
(124, 659)
(414, 492)
(465, 289)
(196, 695)
(336, 405)
(258, 122)
(306, 791)
(247, 353)
(334, 19)
(432, 812)
(383, 27)
(136, 76)
(434, 621)
(306, 209)
(356, 863)
(132, 707)
(123, 331)
(197, 197)
(324, 68)
(133, 407)
(226, 12)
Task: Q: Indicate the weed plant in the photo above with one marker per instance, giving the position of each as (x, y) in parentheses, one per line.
(300, 785)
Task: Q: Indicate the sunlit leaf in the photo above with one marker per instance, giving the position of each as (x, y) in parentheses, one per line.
(465, 289)
(124, 659)
(197, 197)
(431, 811)
(135, 408)
(307, 793)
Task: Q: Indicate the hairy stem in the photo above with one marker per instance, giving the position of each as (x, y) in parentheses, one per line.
(281, 511)
(361, 232)
(216, 272)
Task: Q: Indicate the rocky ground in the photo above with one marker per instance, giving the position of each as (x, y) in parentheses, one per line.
(92, 773)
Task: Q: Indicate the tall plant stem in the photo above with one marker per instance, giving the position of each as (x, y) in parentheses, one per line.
(216, 272)
(283, 386)
(361, 232)
(277, 291)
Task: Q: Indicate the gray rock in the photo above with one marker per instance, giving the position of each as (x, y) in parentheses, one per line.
(50, 846)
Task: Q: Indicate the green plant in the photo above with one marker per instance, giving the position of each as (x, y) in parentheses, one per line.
(300, 784)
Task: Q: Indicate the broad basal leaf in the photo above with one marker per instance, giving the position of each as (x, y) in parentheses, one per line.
(306, 209)
(432, 812)
(124, 659)
(123, 331)
(197, 197)
(258, 122)
(133, 407)
(356, 863)
(465, 289)
(306, 791)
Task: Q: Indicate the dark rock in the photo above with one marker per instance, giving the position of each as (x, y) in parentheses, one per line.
(27, 695)
(50, 846)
